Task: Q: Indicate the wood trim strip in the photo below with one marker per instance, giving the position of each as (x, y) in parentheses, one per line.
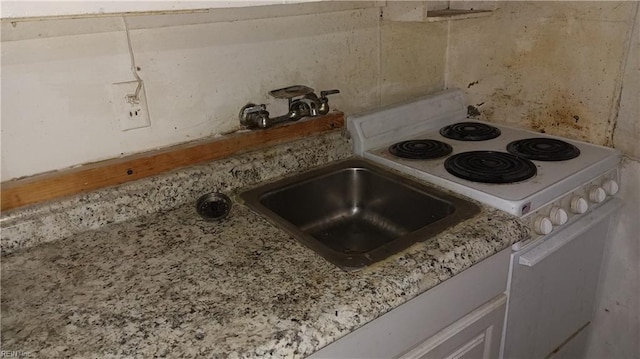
(93, 176)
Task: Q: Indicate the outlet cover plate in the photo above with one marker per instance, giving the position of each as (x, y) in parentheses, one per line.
(131, 115)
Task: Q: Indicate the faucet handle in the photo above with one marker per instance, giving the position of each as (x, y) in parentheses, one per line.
(252, 116)
(324, 101)
(324, 94)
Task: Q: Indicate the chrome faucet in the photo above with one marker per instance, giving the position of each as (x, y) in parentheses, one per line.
(303, 102)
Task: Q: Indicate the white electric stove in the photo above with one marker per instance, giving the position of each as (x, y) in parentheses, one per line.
(374, 132)
(567, 199)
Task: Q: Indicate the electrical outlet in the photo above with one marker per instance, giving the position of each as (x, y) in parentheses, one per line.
(131, 111)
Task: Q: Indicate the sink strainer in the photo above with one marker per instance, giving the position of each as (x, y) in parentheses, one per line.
(213, 206)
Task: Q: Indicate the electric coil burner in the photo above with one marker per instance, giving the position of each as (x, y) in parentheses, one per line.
(543, 149)
(420, 149)
(490, 167)
(470, 131)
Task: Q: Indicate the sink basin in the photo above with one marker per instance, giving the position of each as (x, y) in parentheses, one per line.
(354, 213)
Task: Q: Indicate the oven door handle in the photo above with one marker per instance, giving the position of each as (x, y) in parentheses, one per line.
(569, 233)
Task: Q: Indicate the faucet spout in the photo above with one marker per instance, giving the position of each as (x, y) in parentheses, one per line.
(290, 116)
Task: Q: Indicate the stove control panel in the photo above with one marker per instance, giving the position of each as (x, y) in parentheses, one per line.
(553, 216)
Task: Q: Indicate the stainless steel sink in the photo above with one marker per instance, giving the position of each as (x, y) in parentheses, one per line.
(355, 213)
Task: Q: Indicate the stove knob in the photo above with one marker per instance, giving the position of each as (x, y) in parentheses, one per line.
(610, 187)
(597, 194)
(558, 216)
(542, 225)
(579, 205)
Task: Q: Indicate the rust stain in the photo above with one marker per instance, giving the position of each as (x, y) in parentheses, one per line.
(552, 78)
(557, 121)
(562, 117)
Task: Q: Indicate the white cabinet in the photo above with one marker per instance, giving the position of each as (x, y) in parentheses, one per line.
(476, 335)
(462, 316)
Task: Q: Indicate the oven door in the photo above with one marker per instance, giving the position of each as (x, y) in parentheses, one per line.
(552, 289)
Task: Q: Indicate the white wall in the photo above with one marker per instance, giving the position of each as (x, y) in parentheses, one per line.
(617, 328)
(55, 90)
(198, 71)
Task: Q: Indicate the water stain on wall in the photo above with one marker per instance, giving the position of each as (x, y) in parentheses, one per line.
(562, 118)
(561, 114)
(550, 71)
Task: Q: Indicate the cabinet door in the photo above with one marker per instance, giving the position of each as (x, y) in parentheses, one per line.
(410, 324)
(476, 335)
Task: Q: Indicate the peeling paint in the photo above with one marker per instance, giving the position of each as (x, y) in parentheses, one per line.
(473, 112)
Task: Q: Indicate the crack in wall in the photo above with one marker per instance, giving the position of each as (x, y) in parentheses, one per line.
(612, 124)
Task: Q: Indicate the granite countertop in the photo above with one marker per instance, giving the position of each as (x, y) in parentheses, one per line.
(170, 284)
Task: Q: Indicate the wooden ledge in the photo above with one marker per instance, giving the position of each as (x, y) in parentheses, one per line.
(93, 176)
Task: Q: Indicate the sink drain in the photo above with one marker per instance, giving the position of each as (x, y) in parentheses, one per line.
(213, 206)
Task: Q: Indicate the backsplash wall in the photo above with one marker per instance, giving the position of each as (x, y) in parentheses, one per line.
(198, 71)
(555, 67)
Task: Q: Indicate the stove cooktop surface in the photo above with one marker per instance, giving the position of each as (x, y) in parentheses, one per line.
(530, 168)
(546, 172)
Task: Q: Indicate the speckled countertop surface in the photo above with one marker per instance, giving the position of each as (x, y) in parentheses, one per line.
(170, 284)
